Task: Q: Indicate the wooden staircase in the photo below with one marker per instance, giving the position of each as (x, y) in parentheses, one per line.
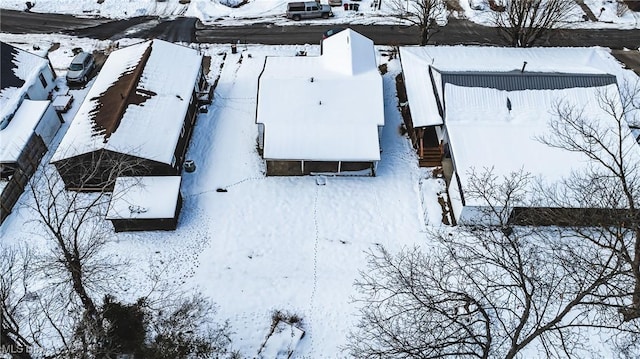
(431, 157)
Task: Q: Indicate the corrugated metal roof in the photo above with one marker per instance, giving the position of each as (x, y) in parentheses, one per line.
(518, 81)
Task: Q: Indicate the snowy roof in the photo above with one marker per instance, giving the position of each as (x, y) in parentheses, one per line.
(349, 52)
(484, 133)
(19, 70)
(418, 62)
(14, 137)
(145, 89)
(323, 108)
(144, 197)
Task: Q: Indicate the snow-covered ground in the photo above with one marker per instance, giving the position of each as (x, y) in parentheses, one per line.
(291, 244)
(278, 243)
(610, 14)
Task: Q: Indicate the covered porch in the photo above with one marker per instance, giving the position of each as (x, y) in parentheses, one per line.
(303, 167)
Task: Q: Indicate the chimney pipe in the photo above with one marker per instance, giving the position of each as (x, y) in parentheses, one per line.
(523, 66)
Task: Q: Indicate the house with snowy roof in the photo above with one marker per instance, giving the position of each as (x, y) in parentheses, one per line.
(488, 108)
(28, 122)
(136, 119)
(318, 114)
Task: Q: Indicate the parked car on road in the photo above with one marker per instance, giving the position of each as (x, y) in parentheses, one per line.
(331, 32)
(80, 68)
(308, 10)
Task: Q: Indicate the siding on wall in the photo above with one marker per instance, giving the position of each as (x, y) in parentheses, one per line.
(75, 171)
(48, 125)
(187, 130)
(39, 92)
(27, 164)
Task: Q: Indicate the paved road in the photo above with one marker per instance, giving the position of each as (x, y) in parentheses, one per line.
(456, 32)
(189, 30)
(21, 22)
(631, 59)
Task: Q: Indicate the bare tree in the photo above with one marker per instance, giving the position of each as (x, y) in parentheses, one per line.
(523, 22)
(610, 188)
(424, 14)
(487, 291)
(14, 276)
(75, 223)
(77, 270)
(76, 302)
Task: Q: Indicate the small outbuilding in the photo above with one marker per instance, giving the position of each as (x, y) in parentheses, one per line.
(145, 203)
(324, 113)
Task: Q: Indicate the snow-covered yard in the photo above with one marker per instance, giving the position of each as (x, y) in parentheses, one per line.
(289, 243)
(280, 243)
(293, 244)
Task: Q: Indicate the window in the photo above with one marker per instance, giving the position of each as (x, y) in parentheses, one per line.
(43, 80)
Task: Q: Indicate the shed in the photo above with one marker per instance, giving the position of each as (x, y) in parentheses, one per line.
(322, 113)
(145, 203)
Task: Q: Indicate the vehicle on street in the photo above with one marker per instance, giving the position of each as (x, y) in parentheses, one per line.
(308, 10)
(335, 2)
(331, 32)
(80, 68)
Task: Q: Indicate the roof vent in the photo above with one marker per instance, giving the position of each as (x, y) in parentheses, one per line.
(509, 103)
(523, 66)
(311, 79)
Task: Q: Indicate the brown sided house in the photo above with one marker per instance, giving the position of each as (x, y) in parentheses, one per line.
(136, 119)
